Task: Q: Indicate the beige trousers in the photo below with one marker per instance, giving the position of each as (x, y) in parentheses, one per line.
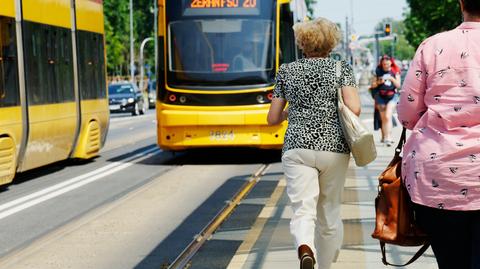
(315, 181)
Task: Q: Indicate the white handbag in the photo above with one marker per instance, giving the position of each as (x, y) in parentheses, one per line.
(359, 139)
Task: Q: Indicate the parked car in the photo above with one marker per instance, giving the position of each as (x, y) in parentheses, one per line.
(152, 94)
(126, 97)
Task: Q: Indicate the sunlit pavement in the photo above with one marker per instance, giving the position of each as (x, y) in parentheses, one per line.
(270, 245)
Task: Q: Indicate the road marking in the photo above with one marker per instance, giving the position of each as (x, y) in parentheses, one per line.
(38, 197)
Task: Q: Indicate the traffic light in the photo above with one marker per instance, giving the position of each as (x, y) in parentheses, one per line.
(388, 29)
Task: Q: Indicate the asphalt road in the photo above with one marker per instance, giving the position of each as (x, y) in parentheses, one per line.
(46, 213)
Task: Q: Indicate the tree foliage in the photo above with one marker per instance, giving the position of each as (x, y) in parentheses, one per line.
(402, 49)
(310, 4)
(117, 33)
(428, 17)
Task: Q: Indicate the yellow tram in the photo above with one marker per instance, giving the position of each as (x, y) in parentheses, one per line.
(53, 102)
(217, 65)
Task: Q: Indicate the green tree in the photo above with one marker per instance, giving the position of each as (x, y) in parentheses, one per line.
(310, 4)
(144, 28)
(116, 35)
(117, 32)
(428, 17)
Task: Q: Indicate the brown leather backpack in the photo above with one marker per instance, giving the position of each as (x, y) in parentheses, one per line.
(395, 219)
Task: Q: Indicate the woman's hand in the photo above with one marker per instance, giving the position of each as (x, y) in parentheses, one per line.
(396, 81)
(380, 81)
(285, 114)
(374, 83)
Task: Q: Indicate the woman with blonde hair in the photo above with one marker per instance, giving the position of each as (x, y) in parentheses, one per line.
(315, 154)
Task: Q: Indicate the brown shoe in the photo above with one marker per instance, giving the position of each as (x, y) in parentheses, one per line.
(305, 254)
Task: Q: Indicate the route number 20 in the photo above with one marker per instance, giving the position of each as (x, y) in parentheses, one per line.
(250, 3)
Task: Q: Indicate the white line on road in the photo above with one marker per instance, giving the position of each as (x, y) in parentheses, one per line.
(35, 198)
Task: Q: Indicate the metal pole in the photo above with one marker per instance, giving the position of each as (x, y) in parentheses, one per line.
(132, 56)
(377, 48)
(347, 39)
(351, 11)
(393, 45)
(142, 72)
(155, 35)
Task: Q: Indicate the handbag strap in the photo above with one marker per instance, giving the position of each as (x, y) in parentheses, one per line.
(422, 250)
(414, 258)
(403, 138)
(338, 72)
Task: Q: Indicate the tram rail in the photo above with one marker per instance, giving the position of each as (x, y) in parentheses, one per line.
(183, 259)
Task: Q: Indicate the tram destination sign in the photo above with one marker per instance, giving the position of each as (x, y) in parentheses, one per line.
(221, 7)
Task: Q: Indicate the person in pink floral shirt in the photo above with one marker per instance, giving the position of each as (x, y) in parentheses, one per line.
(440, 103)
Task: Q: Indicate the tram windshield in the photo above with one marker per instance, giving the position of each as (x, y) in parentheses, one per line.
(219, 52)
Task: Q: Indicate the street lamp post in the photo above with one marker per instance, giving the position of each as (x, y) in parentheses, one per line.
(155, 34)
(142, 68)
(132, 56)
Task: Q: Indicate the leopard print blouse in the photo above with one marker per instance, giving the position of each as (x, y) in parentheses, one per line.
(310, 87)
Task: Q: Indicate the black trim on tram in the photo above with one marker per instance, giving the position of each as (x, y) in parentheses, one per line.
(201, 69)
(91, 65)
(48, 63)
(160, 87)
(9, 88)
(236, 99)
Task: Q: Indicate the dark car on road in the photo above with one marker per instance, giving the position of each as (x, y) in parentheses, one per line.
(152, 93)
(126, 97)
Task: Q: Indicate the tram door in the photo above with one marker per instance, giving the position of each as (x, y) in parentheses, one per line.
(10, 110)
(52, 111)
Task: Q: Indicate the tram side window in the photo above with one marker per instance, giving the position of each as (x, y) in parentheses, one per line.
(287, 37)
(100, 55)
(91, 65)
(48, 64)
(64, 65)
(9, 95)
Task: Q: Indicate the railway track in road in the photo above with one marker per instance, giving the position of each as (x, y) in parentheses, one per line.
(144, 227)
(184, 258)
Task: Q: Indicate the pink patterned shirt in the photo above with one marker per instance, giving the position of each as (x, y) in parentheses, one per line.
(440, 103)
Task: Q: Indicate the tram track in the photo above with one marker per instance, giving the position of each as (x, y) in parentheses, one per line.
(183, 259)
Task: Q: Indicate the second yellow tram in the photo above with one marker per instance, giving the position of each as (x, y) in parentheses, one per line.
(217, 66)
(53, 102)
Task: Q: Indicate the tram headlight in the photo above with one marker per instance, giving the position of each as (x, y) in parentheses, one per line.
(130, 100)
(183, 99)
(260, 99)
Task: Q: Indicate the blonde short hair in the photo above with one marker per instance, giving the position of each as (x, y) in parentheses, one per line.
(317, 37)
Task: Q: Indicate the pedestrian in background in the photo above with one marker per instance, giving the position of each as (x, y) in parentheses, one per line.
(384, 90)
(440, 103)
(315, 154)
